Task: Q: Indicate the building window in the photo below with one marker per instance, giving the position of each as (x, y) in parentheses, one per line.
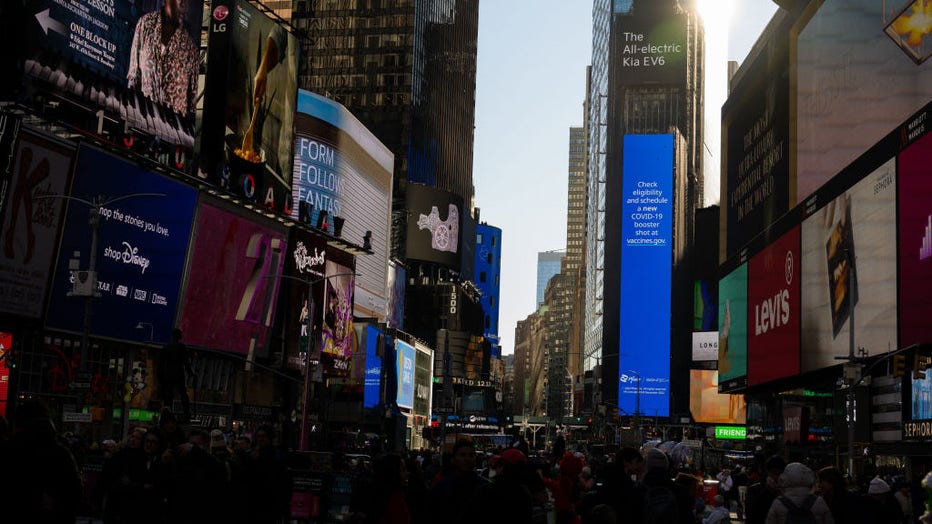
(482, 277)
(487, 322)
(492, 301)
(493, 241)
(489, 258)
(478, 239)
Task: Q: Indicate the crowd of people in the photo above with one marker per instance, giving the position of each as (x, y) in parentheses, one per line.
(163, 473)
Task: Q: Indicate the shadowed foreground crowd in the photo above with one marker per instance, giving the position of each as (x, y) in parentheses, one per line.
(161, 474)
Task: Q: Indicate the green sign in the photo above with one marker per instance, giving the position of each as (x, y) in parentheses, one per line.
(730, 432)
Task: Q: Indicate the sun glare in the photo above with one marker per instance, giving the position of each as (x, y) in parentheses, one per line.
(715, 14)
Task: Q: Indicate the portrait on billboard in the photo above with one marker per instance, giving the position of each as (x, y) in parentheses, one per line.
(915, 241)
(134, 63)
(849, 252)
(733, 328)
(31, 222)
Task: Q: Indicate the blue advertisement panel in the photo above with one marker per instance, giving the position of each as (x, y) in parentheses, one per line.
(143, 241)
(404, 366)
(646, 249)
(373, 379)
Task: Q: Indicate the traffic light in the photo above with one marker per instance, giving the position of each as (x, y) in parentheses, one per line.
(920, 364)
(899, 365)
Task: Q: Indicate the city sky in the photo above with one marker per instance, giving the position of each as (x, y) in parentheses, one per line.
(531, 83)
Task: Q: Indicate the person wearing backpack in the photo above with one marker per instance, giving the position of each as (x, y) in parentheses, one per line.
(798, 504)
(659, 491)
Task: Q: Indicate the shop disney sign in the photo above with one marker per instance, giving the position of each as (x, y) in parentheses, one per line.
(129, 255)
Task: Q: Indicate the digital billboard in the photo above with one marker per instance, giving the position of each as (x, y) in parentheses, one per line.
(305, 262)
(341, 168)
(733, 330)
(249, 105)
(423, 380)
(756, 139)
(708, 406)
(849, 262)
(651, 49)
(915, 241)
(836, 73)
(404, 367)
(32, 218)
(229, 303)
(337, 340)
(395, 308)
(705, 346)
(6, 342)
(773, 312)
(141, 249)
(433, 225)
(646, 249)
(372, 393)
(130, 62)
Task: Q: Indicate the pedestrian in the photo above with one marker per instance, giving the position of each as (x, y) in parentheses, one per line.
(122, 478)
(660, 493)
(719, 513)
(40, 482)
(270, 485)
(156, 481)
(618, 488)
(199, 482)
(846, 507)
(762, 493)
(507, 499)
(388, 503)
(451, 494)
(797, 499)
(880, 506)
(174, 365)
(905, 500)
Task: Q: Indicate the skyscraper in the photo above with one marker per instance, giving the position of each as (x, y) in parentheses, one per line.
(548, 265)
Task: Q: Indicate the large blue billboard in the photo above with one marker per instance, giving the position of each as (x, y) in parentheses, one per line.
(646, 262)
(142, 245)
(404, 366)
(373, 378)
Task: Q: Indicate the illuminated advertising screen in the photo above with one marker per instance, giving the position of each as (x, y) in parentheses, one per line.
(395, 308)
(29, 231)
(705, 305)
(915, 235)
(132, 62)
(229, 303)
(305, 261)
(404, 367)
(433, 225)
(835, 74)
(341, 168)
(858, 223)
(756, 131)
(646, 249)
(423, 381)
(773, 310)
(650, 49)
(373, 381)
(6, 342)
(708, 406)
(249, 105)
(337, 338)
(705, 346)
(141, 249)
(733, 330)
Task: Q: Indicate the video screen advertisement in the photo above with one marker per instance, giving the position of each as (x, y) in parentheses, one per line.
(918, 425)
(708, 406)
(342, 169)
(337, 337)
(860, 223)
(774, 298)
(650, 49)
(850, 92)
(756, 185)
(305, 261)
(31, 224)
(433, 225)
(372, 392)
(404, 368)
(142, 246)
(249, 105)
(733, 330)
(915, 240)
(646, 249)
(135, 62)
(229, 303)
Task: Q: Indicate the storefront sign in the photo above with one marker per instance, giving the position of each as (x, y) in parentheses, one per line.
(730, 432)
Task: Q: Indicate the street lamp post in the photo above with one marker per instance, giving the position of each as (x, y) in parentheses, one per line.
(309, 326)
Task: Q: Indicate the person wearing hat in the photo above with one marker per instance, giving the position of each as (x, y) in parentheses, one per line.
(507, 499)
(879, 505)
(762, 493)
(796, 483)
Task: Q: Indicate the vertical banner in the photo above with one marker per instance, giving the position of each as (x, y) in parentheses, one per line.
(32, 216)
(337, 337)
(646, 249)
